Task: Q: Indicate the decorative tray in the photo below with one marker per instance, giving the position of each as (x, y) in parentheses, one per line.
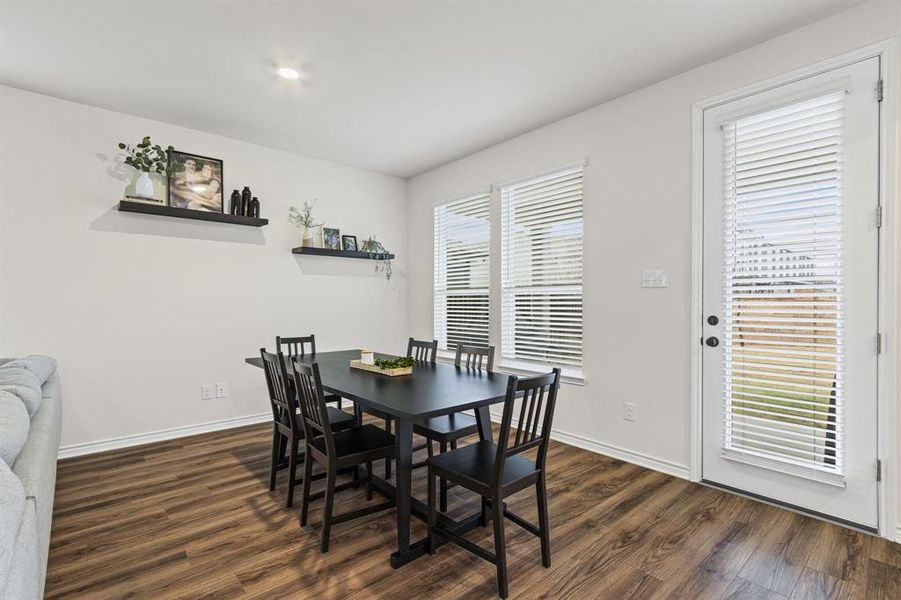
(358, 364)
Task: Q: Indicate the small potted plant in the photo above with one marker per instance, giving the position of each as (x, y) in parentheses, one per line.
(383, 264)
(147, 159)
(303, 219)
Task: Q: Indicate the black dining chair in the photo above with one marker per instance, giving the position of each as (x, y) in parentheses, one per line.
(295, 347)
(335, 450)
(496, 471)
(447, 430)
(421, 351)
(287, 430)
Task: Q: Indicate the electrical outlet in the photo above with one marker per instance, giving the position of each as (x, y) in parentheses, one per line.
(221, 390)
(628, 411)
(207, 392)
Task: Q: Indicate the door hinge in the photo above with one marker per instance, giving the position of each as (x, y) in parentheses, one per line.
(878, 343)
(878, 469)
(880, 91)
(879, 217)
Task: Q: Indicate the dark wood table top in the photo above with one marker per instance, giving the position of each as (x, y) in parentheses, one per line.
(430, 391)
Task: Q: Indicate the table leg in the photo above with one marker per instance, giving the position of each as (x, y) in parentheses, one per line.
(403, 445)
(483, 420)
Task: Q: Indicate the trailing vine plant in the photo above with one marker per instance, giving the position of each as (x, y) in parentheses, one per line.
(383, 263)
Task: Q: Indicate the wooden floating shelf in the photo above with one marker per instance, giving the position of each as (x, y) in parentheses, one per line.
(341, 253)
(185, 213)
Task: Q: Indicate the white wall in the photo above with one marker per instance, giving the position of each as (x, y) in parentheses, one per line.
(637, 216)
(142, 310)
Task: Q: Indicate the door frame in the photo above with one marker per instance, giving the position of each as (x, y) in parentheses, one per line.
(889, 260)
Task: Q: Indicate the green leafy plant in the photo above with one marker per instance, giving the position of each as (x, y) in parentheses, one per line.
(374, 246)
(395, 363)
(303, 219)
(146, 156)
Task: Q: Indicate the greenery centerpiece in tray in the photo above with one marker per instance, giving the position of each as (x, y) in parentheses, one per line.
(391, 367)
(401, 362)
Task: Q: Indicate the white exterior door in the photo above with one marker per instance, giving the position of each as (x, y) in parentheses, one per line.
(791, 238)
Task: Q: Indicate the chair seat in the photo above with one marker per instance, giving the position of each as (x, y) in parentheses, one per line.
(358, 440)
(448, 427)
(475, 462)
(338, 418)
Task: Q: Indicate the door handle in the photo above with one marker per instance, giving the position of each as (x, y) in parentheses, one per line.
(712, 341)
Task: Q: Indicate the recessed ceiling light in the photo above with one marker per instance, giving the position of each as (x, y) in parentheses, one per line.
(288, 73)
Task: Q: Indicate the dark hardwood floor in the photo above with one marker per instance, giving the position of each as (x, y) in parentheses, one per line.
(193, 518)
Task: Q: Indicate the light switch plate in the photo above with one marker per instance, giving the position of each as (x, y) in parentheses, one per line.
(207, 391)
(653, 278)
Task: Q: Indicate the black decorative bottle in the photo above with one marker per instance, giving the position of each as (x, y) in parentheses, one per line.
(234, 207)
(245, 201)
(254, 208)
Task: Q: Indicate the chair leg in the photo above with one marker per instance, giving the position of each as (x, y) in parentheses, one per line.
(292, 473)
(369, 480)
(327, 510)
(432, 515)
(500, 549)
(282, 447)
(443, 449)
(543, 526)
(428, 447)
(483, 517)
(453, 444)
(307, 482)
(273, 466)
(388, 460)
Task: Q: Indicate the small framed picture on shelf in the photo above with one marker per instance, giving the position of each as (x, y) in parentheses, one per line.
(349, 242)
(195, 182)
(331, 238)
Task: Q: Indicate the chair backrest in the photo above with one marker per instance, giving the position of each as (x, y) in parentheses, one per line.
(475, 357)
(422, 351)
(312, 403)
(539, 397)
(281, 397)
(295, 346)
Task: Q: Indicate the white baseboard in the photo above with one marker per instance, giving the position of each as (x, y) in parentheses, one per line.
(636, 458)
(159, 436)
(898, 533)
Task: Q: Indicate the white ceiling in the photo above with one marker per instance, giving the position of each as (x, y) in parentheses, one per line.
(396, 87)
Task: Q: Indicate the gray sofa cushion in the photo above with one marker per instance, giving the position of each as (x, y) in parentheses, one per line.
(23, 579)
(24, 384)
(36, 465)
(41, 366)
(14, 426)
(12, 513)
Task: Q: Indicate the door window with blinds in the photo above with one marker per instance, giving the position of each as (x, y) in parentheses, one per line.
(541, 269)
(462, 240)
(783, 283)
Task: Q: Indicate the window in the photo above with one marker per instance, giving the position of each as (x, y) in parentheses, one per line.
(541, 269)
(784, 284)
(462, 237)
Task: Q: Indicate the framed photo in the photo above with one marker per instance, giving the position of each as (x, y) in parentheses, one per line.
(195, 182)
(349, 242)
(331, 238)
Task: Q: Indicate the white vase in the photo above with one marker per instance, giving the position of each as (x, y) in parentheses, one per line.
(144, 186)
(307, 237)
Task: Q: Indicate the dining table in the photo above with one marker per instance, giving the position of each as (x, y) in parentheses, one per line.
(433, 389)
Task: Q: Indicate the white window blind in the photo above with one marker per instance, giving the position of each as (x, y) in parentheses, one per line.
(783, 388)
(541, 269)
(462, 239)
